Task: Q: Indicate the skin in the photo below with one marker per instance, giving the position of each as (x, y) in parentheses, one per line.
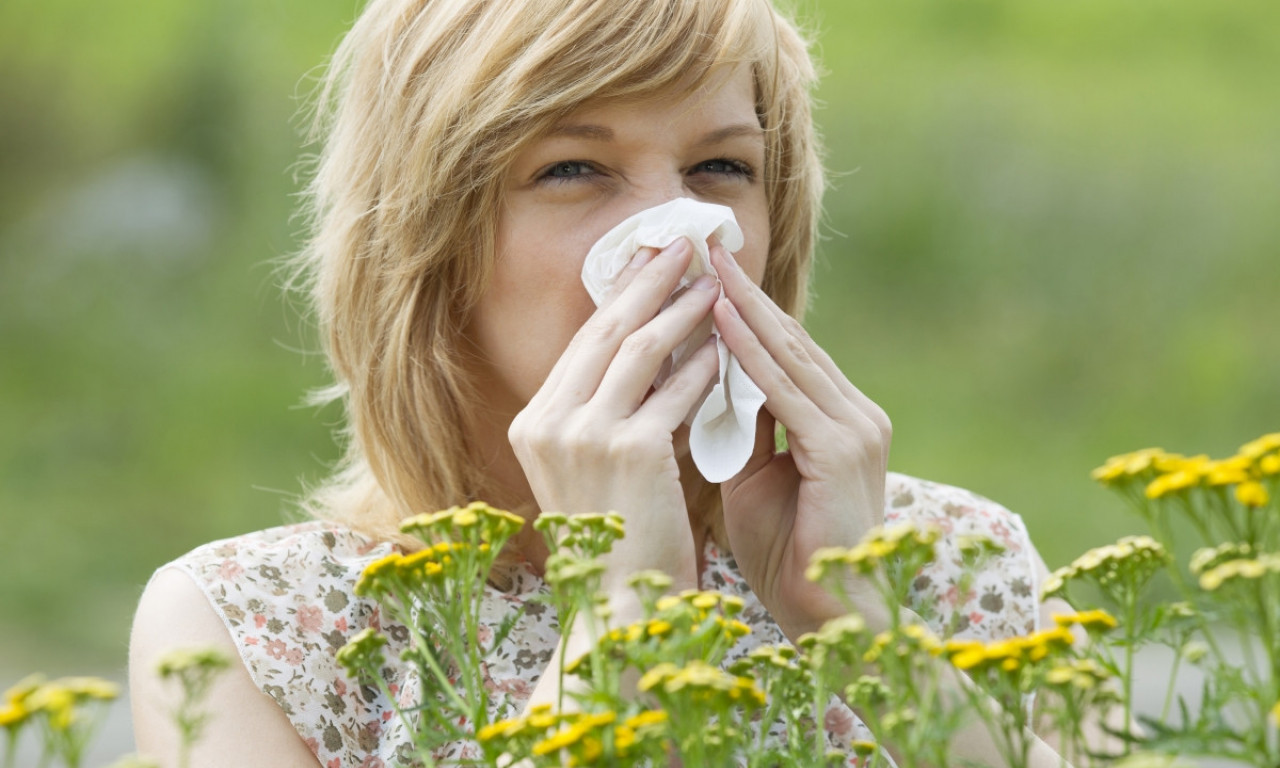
(575, 428)
(572, 422)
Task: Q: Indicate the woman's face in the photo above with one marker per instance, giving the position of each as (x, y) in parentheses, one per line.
(600, 165)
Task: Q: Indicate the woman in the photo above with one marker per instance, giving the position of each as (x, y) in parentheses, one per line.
(473, 152)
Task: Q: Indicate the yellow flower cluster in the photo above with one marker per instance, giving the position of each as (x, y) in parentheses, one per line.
(491, 525)
(1275, 714)
(1254, 568)
(907, 642)
(703, 602)
(779, 656)
(1207, 558)
(181, 661)
(703, 684)
(579, 737)
(1096, 620)
(1137, 557)
(60, 700)
(429, 565)
(1009, 655)
(362, 652)
(1084, 674)
(1165, 474)
(880, 544)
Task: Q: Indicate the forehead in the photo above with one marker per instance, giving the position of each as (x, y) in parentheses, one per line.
(726, 98)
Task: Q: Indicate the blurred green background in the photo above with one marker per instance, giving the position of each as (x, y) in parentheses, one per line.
(1052, 236)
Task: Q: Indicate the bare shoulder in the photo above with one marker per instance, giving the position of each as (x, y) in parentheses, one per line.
(245, 728)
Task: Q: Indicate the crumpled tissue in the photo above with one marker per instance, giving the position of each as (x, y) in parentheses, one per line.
(722, 432)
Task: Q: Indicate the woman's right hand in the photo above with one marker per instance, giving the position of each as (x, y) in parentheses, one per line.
(597, 438)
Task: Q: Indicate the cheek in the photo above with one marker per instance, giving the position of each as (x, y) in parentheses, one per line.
(755, 252)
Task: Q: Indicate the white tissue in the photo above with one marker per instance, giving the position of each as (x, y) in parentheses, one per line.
(722, 433)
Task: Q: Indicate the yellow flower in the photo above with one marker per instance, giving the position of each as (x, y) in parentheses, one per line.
(1242, 568)
(363, 652)
(969, 658)
(379, 576)
(1209, 557)
(181, 660)
(1252, 494)
(1088, 620)
(562, 739)
(1255, 449)
(1179, 480)
(1084, 674)
(1127, 465)
(13, 715)
(490, 524)
(1194, 651)
(864, 748)
(648, 717)
(878, 545)
(1270, 465)
(1138, 557)
(541, 717)
(1010, 654)
(1275, 713)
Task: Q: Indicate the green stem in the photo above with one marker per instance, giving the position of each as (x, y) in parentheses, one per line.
(1173, 678)
(11, 746)
(1131, 617)
(404, 614)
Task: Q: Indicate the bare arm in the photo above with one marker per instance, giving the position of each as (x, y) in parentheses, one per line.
(246, 727)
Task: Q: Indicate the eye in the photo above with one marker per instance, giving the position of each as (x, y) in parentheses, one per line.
(566, 170)
(721, 166)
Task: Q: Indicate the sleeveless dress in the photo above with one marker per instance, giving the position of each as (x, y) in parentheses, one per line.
(285, 594)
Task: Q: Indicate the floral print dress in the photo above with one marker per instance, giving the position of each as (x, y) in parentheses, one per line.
(286, 596)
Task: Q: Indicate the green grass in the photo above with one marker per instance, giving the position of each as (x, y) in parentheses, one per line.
(1051, 237)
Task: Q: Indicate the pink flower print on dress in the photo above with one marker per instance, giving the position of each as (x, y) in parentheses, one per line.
(310, 618)
(230, 570)
(276, 649)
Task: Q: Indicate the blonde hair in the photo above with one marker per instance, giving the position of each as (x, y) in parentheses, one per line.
(425, 105)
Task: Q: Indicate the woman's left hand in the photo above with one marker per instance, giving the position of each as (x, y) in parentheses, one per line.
(827, 489)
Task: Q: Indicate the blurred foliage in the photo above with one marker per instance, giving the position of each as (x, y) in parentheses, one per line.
(1051, 237)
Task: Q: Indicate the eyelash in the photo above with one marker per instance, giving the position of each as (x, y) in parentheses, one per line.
(734, 168)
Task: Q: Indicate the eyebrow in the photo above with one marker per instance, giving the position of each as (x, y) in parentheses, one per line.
(603, 133)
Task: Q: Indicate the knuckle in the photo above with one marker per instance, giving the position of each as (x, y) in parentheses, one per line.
(602, 328)
(783, 383)
(641, 344)
(796, 348)
(793, 327)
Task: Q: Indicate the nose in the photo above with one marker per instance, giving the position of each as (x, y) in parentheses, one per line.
(657, 192)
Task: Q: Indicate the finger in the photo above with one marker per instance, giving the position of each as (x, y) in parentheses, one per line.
(597, 341)
(786, 400)
(670, 403)
(629, 272)
(807, 364)
(644, 352)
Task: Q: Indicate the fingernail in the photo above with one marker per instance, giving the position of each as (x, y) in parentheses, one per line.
(677, 248)
(643, 256)
(704, 282)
